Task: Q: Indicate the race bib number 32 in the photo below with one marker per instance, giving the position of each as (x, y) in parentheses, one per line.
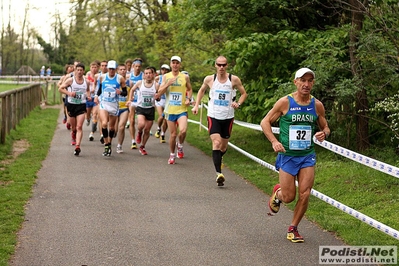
(300, 137)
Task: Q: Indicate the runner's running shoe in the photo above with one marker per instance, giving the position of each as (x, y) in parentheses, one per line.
(87, 122)
(158, 133)
(143, 151)
(119, 149)
(293, 235)
(102, 139)
(105, 153)
(162, 139)
(171, 159)
(220, 179)
(127, 124)
(274, 202)
(77, 151)
(134, 146)
(91, 136)
(180, 153)
(64, 120)
(109, 150)
(68, 126)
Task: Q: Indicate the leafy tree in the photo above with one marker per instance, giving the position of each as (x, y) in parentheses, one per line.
(352, 45)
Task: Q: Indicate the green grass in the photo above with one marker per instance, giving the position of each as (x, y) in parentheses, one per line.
(53, 96)
(366, 190)
(17, 178)
(6, 87)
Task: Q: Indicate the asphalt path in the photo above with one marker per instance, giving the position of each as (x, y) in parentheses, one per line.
(130, 209)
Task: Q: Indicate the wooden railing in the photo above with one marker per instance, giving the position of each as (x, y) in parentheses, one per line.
(16, 104)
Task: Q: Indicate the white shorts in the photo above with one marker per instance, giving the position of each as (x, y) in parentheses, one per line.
(111, 107)
(160, 103)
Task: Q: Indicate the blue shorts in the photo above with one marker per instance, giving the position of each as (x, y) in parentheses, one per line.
(174, 118)
(292, 164)
(121, 111)
(90, 104)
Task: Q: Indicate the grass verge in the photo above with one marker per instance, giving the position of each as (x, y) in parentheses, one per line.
(18, 177)
(6, 87)
(366, 190)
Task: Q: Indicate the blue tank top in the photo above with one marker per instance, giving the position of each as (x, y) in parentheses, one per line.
(163, 96)
(108, 89)
(133, 79)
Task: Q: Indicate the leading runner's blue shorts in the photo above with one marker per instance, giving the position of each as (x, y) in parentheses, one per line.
(292, 164)
(90, 104)
(174, 118)
(121, 111)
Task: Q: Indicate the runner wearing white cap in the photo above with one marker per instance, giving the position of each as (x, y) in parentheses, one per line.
(111, 86)
(299, 113)
(177, 87)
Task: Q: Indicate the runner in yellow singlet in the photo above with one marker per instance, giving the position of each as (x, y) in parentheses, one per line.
(177, 87)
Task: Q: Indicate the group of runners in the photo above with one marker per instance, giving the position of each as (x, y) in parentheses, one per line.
(110, 96)
(114, 94)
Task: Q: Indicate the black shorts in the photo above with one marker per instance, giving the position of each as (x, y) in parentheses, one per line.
(149, 113)
(221, 127)
(76, 109)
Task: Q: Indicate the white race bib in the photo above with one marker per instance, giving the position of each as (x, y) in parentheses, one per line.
(222, 98)
(175, 98)
(300, 137)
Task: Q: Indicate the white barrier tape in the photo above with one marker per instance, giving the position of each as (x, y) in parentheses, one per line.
(372, 163)
(275, 130)
(256, 159)
(358, 215)
(198, 123)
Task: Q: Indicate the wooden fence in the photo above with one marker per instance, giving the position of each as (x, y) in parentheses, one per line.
(16, 104)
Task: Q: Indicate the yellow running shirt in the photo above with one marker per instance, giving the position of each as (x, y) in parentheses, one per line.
(176, 94)
(123, 99)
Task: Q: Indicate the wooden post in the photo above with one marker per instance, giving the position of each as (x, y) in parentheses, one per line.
(200, 124)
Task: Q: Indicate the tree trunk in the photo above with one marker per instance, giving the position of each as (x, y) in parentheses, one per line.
(361, 104)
